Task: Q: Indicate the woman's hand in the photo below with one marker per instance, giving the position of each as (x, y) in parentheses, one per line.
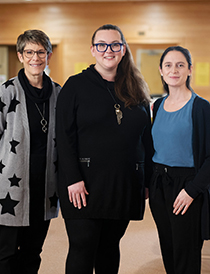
(77, 194)
(182, 202)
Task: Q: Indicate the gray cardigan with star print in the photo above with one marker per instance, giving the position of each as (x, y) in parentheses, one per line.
(14, 156)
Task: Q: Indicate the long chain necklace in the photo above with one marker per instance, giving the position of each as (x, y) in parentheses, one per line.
(118, 112)
(43, 122)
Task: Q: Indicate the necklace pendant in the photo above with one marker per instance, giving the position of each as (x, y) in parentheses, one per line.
(44, 125)
(43, 122)
(118, 113)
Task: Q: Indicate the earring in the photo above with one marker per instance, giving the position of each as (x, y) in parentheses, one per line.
(189, 74)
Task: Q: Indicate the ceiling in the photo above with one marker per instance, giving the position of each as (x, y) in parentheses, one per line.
(65, 1)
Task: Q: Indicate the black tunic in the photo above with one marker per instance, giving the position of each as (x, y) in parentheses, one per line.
(94, 148)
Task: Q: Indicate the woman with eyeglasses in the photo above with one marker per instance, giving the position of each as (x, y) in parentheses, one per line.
(28, 196)
(104, 153)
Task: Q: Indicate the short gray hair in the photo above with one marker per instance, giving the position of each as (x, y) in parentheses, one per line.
(35, 37)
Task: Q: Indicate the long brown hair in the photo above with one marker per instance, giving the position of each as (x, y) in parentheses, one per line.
(130, 86)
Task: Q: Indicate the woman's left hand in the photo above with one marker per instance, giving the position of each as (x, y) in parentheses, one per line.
(182, 202)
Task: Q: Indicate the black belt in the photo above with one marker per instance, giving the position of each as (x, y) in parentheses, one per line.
(173, 171)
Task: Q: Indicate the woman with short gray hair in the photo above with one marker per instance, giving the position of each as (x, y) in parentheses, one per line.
(28, 196)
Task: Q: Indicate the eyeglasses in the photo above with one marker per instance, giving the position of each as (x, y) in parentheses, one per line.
(29, 53)
(102, 47)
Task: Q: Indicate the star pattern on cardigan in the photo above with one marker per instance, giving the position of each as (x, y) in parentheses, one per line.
(1, 166)
(13, 144)
(9, 82)
(8, 205)
(14, 181)
(13, 105)
(2, 105)
(5, 126)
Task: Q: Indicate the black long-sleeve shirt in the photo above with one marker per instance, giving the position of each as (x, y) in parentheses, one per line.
(94, 148)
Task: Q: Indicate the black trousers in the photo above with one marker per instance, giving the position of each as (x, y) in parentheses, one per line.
(94, 244)
(179, 235)
(20, 248)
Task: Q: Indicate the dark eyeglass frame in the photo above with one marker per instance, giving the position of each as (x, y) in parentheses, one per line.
(108, 45)
(33, 52)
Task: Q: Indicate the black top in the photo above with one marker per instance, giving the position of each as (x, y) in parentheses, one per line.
(93, 147)
(38, 141)
(39, 97)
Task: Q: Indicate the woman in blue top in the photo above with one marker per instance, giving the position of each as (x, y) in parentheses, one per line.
(179, 187)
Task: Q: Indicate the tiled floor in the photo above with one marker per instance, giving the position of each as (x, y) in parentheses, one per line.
(140, 252)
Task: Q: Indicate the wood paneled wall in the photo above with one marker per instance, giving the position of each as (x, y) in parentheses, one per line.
(71, 25)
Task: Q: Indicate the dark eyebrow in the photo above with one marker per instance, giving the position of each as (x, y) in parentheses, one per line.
(115, 41)
(180, 62)
(35, 50)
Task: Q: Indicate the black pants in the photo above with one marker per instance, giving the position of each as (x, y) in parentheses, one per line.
(179, 235)
(20, 248)
(94, 244)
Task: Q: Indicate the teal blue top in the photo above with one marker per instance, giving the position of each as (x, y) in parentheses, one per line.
(172, 136)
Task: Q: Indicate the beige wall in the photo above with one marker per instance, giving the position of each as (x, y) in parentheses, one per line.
(70, 27)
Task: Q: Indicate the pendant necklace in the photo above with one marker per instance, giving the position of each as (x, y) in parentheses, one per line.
(43, 122)
(118, 112)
